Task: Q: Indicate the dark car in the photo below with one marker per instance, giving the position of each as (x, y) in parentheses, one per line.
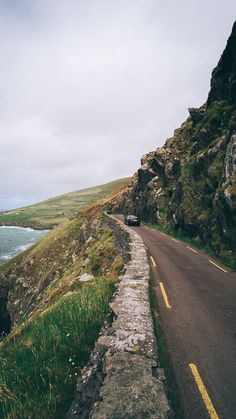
(132, 220)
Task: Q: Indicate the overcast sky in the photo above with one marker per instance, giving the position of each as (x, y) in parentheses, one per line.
(88, 86)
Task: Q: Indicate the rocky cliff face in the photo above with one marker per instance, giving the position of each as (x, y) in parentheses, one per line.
(5, 320)
(189, 185)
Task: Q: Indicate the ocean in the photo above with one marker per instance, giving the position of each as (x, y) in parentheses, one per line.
(14, 240)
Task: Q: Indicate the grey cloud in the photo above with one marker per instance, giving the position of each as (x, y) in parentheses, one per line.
(87, 87)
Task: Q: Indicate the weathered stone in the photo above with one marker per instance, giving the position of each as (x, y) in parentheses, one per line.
(125, 396)
(86, 277)
(86, 263)
(5, 319)
(123, 380)
(89, 241)
(230, 159)
(223, 81)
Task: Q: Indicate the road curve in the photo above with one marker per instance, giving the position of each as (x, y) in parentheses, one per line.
(197, 302)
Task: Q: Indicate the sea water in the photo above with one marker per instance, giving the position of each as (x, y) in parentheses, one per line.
(14, 240)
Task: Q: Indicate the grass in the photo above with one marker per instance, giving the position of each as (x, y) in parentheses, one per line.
(39, 369)
(163, 354)
(49, 213)
(229, 261)
(58, 318)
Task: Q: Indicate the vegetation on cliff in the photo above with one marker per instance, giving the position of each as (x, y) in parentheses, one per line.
(59, 293)
(189, 185)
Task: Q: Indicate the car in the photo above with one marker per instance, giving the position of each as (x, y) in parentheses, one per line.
(132, 220)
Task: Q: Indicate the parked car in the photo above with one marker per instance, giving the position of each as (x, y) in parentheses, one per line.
(132, 220)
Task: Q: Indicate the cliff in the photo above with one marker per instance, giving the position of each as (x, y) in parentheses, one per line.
(55, 295)
(189, 184)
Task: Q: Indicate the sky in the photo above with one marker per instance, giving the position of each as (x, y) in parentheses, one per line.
(89, 86)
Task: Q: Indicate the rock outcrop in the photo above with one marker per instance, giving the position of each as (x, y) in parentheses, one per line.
(189, 185)
(5, 319)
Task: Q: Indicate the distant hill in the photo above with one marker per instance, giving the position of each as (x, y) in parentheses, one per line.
(51, 212)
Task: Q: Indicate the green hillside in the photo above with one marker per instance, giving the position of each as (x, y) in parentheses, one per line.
(56, 312)
(48, 213)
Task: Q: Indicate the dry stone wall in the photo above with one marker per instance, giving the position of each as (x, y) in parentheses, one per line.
(123, 379)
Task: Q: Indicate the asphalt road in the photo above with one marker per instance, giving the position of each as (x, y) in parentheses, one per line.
(197, 303)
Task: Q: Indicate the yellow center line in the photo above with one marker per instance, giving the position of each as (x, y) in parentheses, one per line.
(203, 391)
(153, 261)
(219, 267)
(145, 247)
(164, 295)
(192, 250)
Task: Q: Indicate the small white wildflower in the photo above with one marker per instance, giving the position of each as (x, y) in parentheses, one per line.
(68, 334)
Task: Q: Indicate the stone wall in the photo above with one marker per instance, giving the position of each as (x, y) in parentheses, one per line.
(123, 379)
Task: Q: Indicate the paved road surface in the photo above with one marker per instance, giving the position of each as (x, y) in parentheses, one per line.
(197, 303)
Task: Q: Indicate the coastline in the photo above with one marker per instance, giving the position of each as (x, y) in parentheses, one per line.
(15, 239)
(26, 225)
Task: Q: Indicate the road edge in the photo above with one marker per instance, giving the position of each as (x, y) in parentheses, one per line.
(123, 378)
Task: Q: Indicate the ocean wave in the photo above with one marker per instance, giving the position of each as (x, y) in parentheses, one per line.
(16, 251)
(6, 257)
(23, 247)
(29, 229)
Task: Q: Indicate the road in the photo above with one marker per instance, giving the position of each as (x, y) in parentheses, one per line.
(197, 302)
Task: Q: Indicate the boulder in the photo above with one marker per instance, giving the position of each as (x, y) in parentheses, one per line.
(86, 277)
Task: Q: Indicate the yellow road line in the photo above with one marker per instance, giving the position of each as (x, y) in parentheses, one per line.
(145, 247)
(164, 295)
(219, 267)
(153, 261)
(192, 250)
(203, 391)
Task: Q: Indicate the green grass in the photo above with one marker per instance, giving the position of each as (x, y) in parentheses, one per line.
(163, 354)
(42, 357)
(39, 368)
(226, 259)
(48, 213)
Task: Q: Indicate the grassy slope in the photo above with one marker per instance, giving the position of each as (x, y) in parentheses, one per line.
(51, 212)
(58, 318)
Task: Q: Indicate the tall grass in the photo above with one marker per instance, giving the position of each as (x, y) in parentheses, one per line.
(39, 368)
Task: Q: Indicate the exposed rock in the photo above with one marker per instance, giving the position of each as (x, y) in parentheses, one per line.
(197, 114)
(189, 184)
(86, 263)
(223, 82)
(86, 277)
(89, 241)
(230, 159)
(5, 320)
(123, 396)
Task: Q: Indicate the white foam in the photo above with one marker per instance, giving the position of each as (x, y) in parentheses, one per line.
(6, 257)
(21, 248)
(29, 229)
